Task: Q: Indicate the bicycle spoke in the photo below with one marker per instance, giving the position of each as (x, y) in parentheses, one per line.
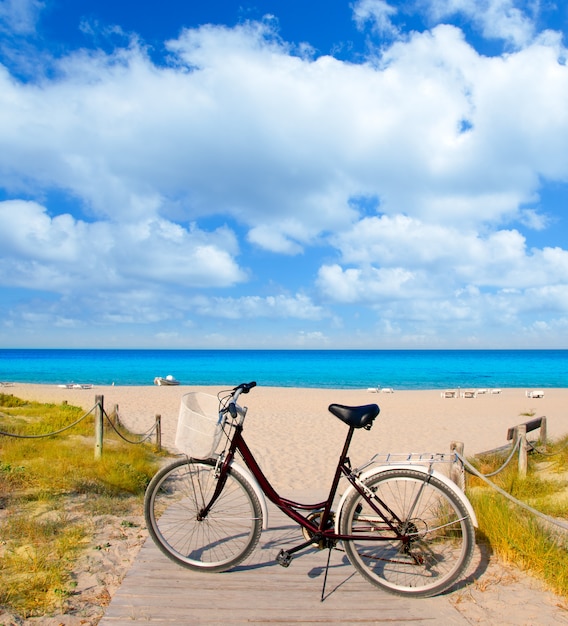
(424, 542)
(219, 540)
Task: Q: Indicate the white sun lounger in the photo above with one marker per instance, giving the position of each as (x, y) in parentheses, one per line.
(469, 393)
(537, 393)
(449, 393)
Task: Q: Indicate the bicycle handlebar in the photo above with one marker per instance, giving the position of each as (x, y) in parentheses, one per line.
(242, 388)
(245, 387)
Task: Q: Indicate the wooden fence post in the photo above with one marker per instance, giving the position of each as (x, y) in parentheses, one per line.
(99, 412)
(159, 432)
(523, 461)
(543, 433)
(457, 471)
(114, 415)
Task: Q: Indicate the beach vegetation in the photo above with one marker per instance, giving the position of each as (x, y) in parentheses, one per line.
(516, 535)
(51, 490)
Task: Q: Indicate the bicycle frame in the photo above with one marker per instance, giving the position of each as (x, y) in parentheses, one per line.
(325, 530)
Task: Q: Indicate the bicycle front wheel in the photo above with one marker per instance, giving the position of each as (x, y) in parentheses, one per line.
(216, 542)
(425, 541)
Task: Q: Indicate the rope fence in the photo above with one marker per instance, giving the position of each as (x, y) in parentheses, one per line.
(518, 435)
(55, 432)
(144, 437)
(100, 414)
(514, 448)
(551, 520)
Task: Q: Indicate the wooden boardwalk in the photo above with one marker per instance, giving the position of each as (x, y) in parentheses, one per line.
(157, 591)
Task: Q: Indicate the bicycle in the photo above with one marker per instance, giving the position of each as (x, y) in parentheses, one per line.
(407, 529)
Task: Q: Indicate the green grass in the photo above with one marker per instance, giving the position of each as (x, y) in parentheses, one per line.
(37, 559)
(519, 537)
(49, 490)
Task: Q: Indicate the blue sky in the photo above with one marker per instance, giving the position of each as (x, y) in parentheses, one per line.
(284, 174)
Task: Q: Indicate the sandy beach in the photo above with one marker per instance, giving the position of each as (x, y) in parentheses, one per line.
(293, 435)
(297, 442)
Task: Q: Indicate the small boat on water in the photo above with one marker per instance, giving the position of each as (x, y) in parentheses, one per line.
(168, 380)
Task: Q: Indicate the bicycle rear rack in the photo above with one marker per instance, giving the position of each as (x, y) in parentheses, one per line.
(407, 458)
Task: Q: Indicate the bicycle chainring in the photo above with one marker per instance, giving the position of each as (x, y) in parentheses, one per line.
(315, 518)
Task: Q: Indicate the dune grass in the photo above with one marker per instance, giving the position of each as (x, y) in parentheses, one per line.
(517, 536)
(50, 488)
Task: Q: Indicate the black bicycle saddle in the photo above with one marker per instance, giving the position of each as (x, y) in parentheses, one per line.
(356, 416)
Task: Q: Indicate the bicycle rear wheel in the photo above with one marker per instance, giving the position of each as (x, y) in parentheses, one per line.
(427, 543)
(219, 541)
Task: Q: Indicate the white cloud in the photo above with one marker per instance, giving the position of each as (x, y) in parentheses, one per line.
(430, 284)
(314, 339)
(241, 127)
(277, 307)
(367, 285)
(272, 238)
(547, 298)
(534, 220)
(19, 16)
(496, 19)
(379, 13)
(62, 253)
(439, 316)
(454, 145)
(447, 256)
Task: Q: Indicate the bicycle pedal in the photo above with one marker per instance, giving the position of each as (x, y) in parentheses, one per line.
(284, 558)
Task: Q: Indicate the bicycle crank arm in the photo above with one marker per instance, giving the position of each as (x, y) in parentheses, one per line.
(284, 557)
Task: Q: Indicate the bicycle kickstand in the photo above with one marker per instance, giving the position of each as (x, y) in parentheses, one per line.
(325, 575)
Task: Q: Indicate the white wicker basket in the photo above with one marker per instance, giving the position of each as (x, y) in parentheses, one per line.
(198, 428)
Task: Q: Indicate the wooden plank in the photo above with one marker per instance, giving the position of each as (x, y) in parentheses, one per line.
(156, 590)
(531, 425)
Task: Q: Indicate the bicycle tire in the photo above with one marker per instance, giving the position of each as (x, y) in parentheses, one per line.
(220, 541)
(433, 542)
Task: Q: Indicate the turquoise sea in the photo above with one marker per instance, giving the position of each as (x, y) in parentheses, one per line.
(400, 369)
